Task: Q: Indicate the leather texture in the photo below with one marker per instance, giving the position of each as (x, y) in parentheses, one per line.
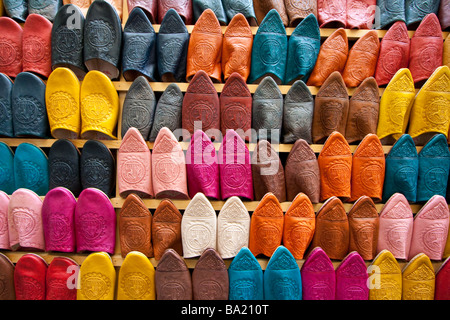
(199, 6)
(364, 223)
(134, 166)
(58, 214)
(135, 227)
(396, 227)
(36, 45)
(434, 165)
(17, 10)
(60, 273)
(184, 9)
(416, 10)
(205, 47)
(402, 169)
(298, 10)
(237, 47)
(168, 111)
(95, 222)
(62, 99)
(202, 167)
(81, 4)
(235, 170)
(395, 106)
(235, 7)
(6, 123)
(4, 231)
(282, 278)
(198, 218)
(299, 226)
(447, 248)
(201, 106)
(427, 115)
(245, 277)
(262, 9)
(362, 59)
(335, 166)
(332, 229)
(331, 107)
(233, 228)
(351, 278)
(318, 276)
(97, 167)
(166, 229)
(391, 12)
(364, 108)
(267, 110)
(266, 227)
(303, 49)
(332, 57)
(210, 277)
(418, 279)
(28, 106)
(169, 175)
(172, 47)
(67, 40)
(30, 277)
(172, 277)
(102, 39)
(47, 9)
(446, 54)
(298, 111)
(136, 280)
(268, 172)
(269, 53)
(394, 53)
(302, 172)
(442, 282)
(444, 16)
(11, 37)
(138, 108)
(149, 6)
(7, 270)
(385, 277)
(31, 168)
(139, 47)
(430, 229)
(25, 221)
(361, 14)
(426, 48)
(236, 106)
(332, 14)
(99, 106)
(7, 183)
(368, 169)
(97, 278)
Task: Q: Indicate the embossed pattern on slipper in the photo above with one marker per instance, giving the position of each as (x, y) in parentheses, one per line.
(233, 228)
(234, 7)
(166, 229)
(302, 172)
(135, 227)
(7, 270)
(262, 8)
(136, 280)
(385, 268)
(199, 6)
(245, 277)
(11, 36)
(360, 14)
(149, 6)
(47, 9)
(198, 227)
(396, 227)
(332, 14)
(58, 214)
(416, 10)
(134, 166)
(318, 276)
(418, 279)
(210, 277)
(17, 9)
(6, 123)
(31, 168)
(332, 229)
(269, 53)
(391, 12)
(298, 10)
(4, 229)
(30, 277)
(59, 279)
(330, 108)
(7, 183)
(169, 175)
(351, 278)
(183, 8)
(266, 226)
(171, 48)
(173, 278)
(282, 278)
(299, 225)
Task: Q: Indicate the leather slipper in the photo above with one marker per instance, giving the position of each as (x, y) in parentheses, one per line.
(59, 274)
(17, 10)
(298, 10)
(442, 291)
(4, 230)
(7, 270)
(418, 279)
(391, 12)
(388, 277)
(245, 277)
(332, 14)
(31, 168)
(184, 9)
(351, 278)
(262, 8)
(199, 6)
(11, 39)
(318, 276)
(6, 122)
(416, 10)
(360, 14)
(30, 277)
(48, 9)
(7, 183)
(233, 8)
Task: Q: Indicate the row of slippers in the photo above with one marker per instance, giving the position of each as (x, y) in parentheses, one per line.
(63, 223)
(283, 279)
